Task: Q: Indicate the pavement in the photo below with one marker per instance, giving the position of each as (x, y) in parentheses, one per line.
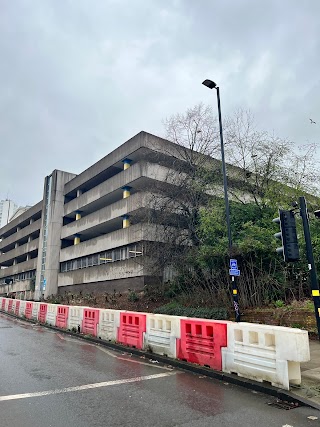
(310, 375)
(49, 378)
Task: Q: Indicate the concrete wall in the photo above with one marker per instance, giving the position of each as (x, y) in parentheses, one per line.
(55, 221)
(123, 237)
(111, 159)
(128, 177)
(135, 149)
(19, 268)
(26, 231)
(21, 286)
(105, 272)
(109, 286)
(20, 250)
(108, 213)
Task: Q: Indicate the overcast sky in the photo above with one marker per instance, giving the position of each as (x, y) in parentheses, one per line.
(78, 78)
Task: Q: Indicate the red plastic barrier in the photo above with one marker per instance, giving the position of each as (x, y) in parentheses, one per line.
(42, 315)
(10, 305)
(3, 304)
(28, 312)
(90, 321)
(62, 316)
(201, 342)
(132, 327)
(16, 311)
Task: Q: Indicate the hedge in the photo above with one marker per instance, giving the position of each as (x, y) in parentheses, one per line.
(174, 309)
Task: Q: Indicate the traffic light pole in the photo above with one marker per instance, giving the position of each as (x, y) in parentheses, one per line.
(311, 263)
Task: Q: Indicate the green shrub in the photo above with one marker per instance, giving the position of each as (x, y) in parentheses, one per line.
(297, 325)
(309, 305)
(279, 303)
(133, 297)
(175, 309)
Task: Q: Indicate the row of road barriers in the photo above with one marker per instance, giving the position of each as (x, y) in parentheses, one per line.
(254, 351)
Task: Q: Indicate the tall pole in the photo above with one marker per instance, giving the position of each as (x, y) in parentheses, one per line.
(311, 264)
(226, 201)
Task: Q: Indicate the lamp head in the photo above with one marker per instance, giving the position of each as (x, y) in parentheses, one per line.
(210, 84)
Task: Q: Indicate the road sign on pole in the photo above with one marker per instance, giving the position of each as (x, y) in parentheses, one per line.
(233, 264)
(234, 272)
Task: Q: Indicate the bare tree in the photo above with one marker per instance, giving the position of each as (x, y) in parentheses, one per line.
(195, 130)
(266, 166)
(177, 198)
(261, 169)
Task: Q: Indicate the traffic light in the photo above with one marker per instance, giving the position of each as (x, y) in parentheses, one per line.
(288, 235)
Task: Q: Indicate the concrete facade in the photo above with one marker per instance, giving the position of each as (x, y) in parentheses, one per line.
(88, 233)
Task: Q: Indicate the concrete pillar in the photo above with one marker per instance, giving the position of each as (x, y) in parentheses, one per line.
(31, 220)
(126, 163)
(126, 191)
(76, 240)
(29, 239)
(125, 221)
(79, 192)
(16, 245)
(78, 215)
(15, 262)
(28, 257)
(18, 228)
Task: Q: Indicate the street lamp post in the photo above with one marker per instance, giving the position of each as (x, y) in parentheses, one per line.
(212, 85)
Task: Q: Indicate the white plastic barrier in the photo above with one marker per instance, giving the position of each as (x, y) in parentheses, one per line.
(109, 321)
(266, 353)
(51, 314)
(35, 310)
(13, 308)
(22, 308)
(75, 317)
(161, 334)
(259, 352)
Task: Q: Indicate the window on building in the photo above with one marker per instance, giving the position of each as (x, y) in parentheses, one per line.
(106, 257)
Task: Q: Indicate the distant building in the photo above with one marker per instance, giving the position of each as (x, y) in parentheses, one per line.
(7, 209)
(19, 211)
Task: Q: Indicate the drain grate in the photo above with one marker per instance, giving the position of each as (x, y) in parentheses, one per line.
(280, 404)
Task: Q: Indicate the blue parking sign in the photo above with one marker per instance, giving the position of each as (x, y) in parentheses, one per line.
(233, 264)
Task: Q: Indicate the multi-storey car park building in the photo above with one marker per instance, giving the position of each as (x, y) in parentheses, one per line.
(83, 236)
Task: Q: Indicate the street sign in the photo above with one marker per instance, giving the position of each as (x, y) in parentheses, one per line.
(233, 264)
(234, 272)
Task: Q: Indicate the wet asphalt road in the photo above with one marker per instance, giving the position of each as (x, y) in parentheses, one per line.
(51, 372)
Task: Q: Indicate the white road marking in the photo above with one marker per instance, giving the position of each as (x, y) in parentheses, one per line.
(61, 337)
(85, 387)
(126, 359)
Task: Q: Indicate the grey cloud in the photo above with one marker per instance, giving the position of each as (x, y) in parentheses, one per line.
(78, 78)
